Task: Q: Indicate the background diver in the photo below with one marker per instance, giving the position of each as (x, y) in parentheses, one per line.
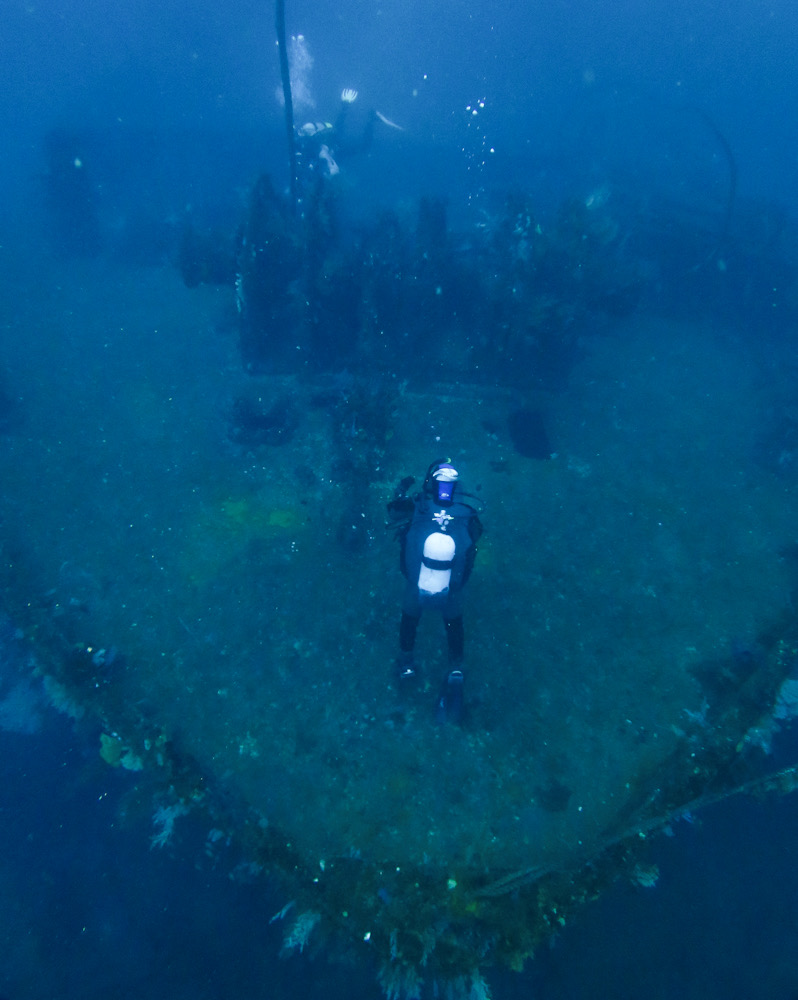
(319, 143)
(438, 534)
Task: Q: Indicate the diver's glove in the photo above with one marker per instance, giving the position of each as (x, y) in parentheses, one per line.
(400, 509)
(348, 96)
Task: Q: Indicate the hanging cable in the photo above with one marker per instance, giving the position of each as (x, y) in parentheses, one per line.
(285, 74)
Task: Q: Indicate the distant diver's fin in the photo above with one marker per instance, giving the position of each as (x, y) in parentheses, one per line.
(388, 122)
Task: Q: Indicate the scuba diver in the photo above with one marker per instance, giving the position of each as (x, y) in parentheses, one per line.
(438, 547)
(314, 139)
(318, 143)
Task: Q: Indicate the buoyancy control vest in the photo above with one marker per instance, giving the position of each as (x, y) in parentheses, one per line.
(438, 548)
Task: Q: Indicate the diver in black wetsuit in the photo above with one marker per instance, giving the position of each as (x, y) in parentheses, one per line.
(438, 551)
(320, 144)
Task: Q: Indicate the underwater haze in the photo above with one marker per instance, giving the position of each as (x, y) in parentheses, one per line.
(555, 242)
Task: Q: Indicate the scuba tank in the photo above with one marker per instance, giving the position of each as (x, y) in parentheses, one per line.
(436, 564)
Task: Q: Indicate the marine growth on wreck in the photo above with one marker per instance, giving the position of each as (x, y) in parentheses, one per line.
(197, 552)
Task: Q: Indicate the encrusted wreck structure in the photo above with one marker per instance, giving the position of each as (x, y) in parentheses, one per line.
(195, 549)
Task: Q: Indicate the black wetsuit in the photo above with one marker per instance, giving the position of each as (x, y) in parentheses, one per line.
(461, 523)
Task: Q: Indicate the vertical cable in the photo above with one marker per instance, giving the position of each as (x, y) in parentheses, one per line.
(285, 73)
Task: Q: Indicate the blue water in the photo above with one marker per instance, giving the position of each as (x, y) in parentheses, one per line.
(172, 104)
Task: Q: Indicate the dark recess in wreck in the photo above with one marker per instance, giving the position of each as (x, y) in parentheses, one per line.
(528, 433)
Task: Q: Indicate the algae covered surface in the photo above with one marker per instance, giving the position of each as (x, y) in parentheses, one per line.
(250, 592)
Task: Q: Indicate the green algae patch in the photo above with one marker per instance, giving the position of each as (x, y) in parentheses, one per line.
(223, 531)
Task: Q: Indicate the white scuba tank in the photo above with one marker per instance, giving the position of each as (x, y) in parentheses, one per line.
(438, 548)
